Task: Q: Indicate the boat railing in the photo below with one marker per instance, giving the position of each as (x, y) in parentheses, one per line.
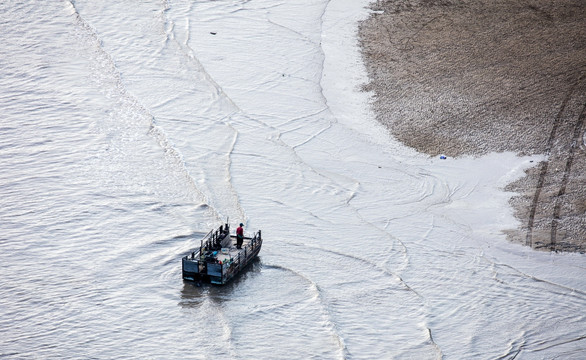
(213, 239)
(231, 267)
(237, 263)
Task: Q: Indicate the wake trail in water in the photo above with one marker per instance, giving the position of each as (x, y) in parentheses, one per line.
(227, 106)
(418, 300)
(318, 296)
(106, 75)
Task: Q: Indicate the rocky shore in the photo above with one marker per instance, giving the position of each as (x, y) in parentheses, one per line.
(473, 77)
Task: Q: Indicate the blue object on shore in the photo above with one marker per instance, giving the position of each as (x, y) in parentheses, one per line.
(443, 157)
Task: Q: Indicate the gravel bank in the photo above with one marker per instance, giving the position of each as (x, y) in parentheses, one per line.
(472, 77)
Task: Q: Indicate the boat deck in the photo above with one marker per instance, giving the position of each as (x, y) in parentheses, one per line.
(218, 259)
(232, 252)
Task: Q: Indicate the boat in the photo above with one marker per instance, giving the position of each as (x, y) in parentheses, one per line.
(219, 259)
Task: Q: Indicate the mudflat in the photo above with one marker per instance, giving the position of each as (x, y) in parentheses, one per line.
(472, 77)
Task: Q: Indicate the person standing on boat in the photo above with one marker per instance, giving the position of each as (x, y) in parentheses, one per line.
(239, 236)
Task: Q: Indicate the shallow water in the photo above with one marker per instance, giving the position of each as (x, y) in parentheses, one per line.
(130, 129)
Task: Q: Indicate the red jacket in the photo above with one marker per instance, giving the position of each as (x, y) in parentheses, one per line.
(240, 231)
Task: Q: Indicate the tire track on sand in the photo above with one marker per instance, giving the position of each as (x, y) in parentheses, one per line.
(558, 200)
(545, 164)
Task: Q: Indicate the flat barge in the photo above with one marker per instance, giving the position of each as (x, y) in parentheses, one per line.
(218, 258)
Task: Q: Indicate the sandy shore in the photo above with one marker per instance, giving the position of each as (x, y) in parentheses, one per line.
(472, 77)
